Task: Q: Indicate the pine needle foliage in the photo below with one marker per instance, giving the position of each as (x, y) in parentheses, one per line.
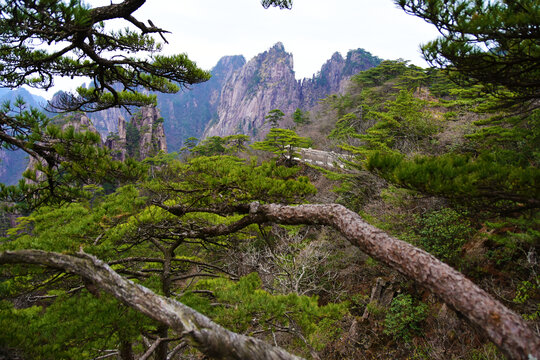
(491, 43)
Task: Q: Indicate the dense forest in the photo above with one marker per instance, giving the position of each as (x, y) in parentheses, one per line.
(420, 242)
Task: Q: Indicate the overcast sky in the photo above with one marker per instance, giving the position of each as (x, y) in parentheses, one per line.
(312, 31)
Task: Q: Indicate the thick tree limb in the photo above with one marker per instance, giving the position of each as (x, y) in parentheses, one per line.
(209, 337)
(506, 329)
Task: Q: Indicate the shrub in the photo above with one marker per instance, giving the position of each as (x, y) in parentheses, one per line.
(443, 233)
(404, 318)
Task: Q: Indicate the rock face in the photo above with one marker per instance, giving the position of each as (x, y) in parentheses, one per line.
(235, 100)
(106, 122)
(151, 133)
(80, 123)
(188, 112)
(14, 162)
(117, 142)
(267, 82)
(185, 113)
(334, 75)
(142, 137)
(239, 95)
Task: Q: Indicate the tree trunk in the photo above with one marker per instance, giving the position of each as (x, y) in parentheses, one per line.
(505, 328)
(126, 351)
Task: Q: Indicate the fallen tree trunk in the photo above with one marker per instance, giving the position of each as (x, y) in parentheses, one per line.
(506, 329)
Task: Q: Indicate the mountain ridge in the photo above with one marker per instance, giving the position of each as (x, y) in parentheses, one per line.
(268, 82)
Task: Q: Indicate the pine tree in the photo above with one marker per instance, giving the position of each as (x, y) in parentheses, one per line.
(284, 143)
(274, 117)
(492, 43)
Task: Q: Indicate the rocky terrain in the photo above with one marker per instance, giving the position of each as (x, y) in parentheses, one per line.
(141, 137)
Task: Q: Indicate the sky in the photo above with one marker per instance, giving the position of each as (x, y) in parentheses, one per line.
(312, 31)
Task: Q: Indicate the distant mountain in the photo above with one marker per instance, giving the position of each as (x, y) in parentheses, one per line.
(30, 99)
(13, 163)
(239, 95)
(268, 82)
(188, 112)
(185, 113)
(235, 100)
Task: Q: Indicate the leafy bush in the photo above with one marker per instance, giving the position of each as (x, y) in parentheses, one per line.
(245, 307)
(443, 233)
(404, 318)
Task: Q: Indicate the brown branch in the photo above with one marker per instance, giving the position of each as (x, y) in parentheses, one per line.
(207, 336)
(506, 329)
(113, 11)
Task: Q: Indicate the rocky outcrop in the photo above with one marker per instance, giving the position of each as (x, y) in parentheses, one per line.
(188, 112)
(151, 133)
(116, 142)
(334, 76)
(268, 82)
(235, 100)
(79, 122)
(239, 95)
(142, 137)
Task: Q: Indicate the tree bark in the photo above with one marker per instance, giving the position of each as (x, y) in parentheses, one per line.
(506, 329)
(207, 336)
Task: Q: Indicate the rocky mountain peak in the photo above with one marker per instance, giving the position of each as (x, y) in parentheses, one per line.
(336, 57)
(264, 83)
(278, 47)
(268, 82)
(227, 65)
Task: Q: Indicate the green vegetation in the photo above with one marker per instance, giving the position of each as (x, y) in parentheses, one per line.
(490, 43)
(451, 168)
(274, 117)
(300, 117)
(443, 233)
(216, 145)
(404, 318)
(133, 138)
(246, 308)
(283, 143)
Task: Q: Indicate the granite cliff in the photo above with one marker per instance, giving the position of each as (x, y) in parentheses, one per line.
(188, 112)
(141, 137)
(235, 100)
(268, 82)
(185, 113)
(239, 95)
